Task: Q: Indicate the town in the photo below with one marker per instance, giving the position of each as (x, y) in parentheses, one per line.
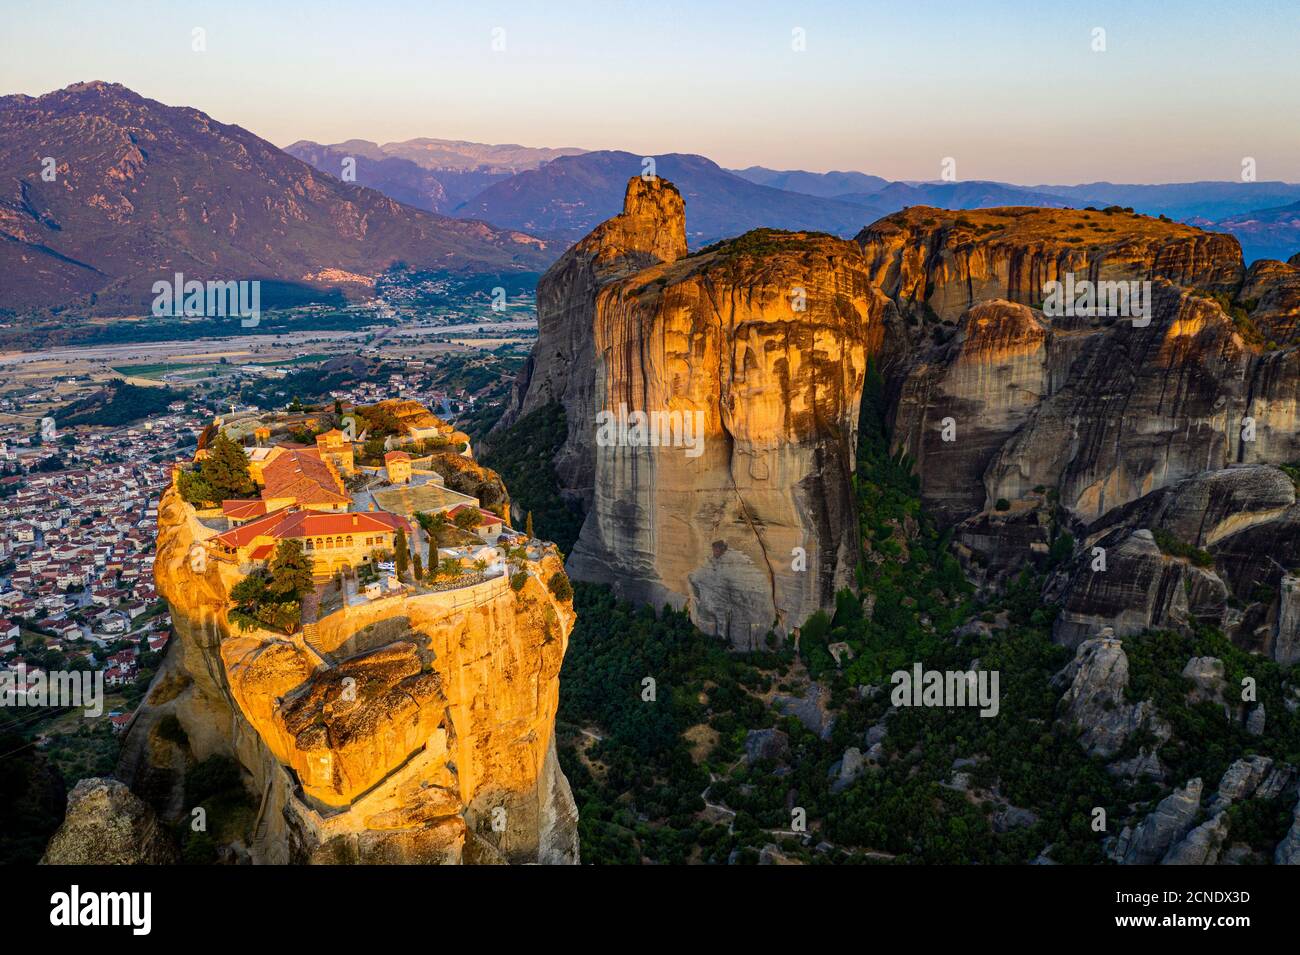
(79, 513)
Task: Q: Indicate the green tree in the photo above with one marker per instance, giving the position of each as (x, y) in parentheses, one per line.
(225, 470)
(528, 525)
(402, 558)
(560, 586)
(417, 566)
(272, 597)
(467, 519)
(291, 571)
(434, 525)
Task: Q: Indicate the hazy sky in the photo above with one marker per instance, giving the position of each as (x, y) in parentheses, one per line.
(1011, 90)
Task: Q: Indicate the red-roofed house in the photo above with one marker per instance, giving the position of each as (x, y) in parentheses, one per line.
(489, 525)
(332, 541)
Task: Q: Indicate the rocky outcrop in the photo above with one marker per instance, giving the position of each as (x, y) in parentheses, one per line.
(1202, 845)
(1095, 703)
(415, 729)
(469, 477)
(766, 744)
(107, 824)
(1274, 289)
(1206, 676)
(1251, 776)
(1227, 537)
(562, 367)
(941, 262)
(1100, 409)
(961, 404)
(812, 709)
(1132, 586)
(1288, 850)
(1257, 777)
(1166, 826)
(760, 347)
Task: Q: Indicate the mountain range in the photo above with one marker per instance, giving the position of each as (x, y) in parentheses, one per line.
(434, 174)
(562, 194)
(104, 192)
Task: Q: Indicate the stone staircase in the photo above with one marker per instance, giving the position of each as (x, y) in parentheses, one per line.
(311, 636)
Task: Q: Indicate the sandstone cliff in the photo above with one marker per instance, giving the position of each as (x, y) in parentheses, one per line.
(764, 340)
(414, 728)
(941, 262)
(1101, 409)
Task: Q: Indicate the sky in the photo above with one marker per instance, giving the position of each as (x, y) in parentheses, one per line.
(1010, 89)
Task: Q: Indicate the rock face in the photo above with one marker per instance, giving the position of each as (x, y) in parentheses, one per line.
(1139, 589)
(1103, 409)
(1201, 846)
(1275, 287)
(1157, 436)
(1288, 850)
(1094, 701)
(415, 729)
(1167, 825)
(107, 824)
(945, 262)
(1243, 526)
(984, 384)
(761, 346)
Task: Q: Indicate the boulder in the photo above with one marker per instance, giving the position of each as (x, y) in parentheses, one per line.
(766, 744)
(1241, 780)
(851, 766)
(809, 709)
(1202, 845)
(1165, 826)
(1095, 702)
(1288, 850)
(107, 824)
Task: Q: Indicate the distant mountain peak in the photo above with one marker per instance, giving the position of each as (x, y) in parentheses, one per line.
(142, 190)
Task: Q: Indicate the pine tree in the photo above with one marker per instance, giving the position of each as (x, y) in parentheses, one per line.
(402, 557)
(225, 470)
(291, 572)
(528, 525)
(417, 566)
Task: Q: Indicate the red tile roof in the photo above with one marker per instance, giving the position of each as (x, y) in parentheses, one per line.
(243, 510)
(286, 524)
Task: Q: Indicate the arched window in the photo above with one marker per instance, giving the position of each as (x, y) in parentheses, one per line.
(309, 546)
(349, 540)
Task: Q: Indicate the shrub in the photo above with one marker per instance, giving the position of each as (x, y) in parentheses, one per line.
(560, 586)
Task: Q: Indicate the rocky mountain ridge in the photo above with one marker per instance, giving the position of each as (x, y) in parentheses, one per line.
(107, 192)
